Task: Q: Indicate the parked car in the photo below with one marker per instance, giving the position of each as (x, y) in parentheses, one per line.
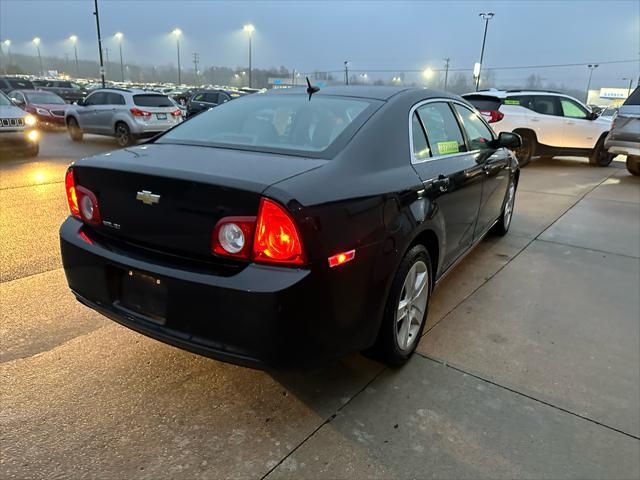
(624, 137)
(8, 84)
(550, 123)
(18, 133)
(283, 229)
(69, 91)
(608, 112)
(47, 107)
(204, 99)
(126, 114)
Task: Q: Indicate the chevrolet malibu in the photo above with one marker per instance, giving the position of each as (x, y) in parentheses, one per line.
(287, 229)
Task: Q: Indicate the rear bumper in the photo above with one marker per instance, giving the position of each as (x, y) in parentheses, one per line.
(141, 128)
(260, 316)
(620, 147)
(10, 141)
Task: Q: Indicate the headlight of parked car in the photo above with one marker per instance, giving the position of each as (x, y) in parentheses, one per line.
(30, 120)
(42, 111)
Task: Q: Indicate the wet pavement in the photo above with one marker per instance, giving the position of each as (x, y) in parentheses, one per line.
(529, 366)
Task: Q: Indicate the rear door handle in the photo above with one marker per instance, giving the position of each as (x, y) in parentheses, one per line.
(534, 119)
(569, 122)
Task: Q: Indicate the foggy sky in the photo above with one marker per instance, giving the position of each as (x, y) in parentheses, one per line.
(311, 36)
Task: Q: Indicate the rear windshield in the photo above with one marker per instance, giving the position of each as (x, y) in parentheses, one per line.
(288, 123)
(147, 100)
(20, 84)
(634, 98)
(483, 102)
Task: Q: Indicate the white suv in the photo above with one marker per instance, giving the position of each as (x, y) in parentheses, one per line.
(550, 123)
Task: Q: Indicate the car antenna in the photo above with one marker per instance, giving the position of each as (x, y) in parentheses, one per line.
(311, 89)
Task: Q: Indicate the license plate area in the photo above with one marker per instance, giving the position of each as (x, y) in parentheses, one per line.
(161, 116)
(143, 294)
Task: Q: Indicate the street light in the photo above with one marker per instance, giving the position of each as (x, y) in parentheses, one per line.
(118, 36)
(249, 29)
(486, 17)
(36, 42)
(630, 83)
(74, 40)
(427, 73)
(177, 33)
(591, 68)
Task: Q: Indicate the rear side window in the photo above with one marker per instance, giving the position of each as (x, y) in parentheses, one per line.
(478, 133)
(546, 105)
(443, 133)
(145, 100)
(114, 99)
(634, 98)
(98, 98)
(420, 146)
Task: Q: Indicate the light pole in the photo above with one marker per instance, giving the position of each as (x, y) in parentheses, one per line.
(249, 29)
(97, 14)
(630, 83)
(591, 68)
(346, 72)
(7, 43)
(177, 33)
(118, 36)
(74, 40)
(486, 16)
(446, 72)
(36, 42)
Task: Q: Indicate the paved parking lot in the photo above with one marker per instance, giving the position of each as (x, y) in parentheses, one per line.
(529, 367)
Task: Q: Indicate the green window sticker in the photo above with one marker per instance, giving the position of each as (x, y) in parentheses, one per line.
(511, 102)
(445, 148)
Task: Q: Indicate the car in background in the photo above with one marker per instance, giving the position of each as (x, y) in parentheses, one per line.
(8, 84)
(348, 206)
(70, 91)
(624, 137)
(550, 123)
(608, 112)
(18, 133)
(47, 107)
(202, 100)
(126, 114)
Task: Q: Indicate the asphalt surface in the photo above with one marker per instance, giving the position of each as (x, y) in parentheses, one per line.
(529, 367)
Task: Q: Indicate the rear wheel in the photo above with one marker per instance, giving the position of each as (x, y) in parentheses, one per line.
(600, 156)
(633, 164)
(123, 135)
(406, 310)
(526, 150)
(504, 222)
(75, 132)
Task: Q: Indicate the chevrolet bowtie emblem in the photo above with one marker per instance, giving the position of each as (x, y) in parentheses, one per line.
(147, 197)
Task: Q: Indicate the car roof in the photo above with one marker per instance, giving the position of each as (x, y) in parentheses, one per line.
(376, 92)
(493, 92)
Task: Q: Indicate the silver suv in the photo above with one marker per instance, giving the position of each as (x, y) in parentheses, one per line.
(126, 114)
(18, 134)
(624, 137)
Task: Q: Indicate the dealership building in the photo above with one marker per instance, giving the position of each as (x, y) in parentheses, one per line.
(608, 96)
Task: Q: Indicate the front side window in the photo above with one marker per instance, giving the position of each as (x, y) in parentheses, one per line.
(443, 133)
(571, 109)
(546, 105)
(211, 97)
(478, 133)
(273, 122)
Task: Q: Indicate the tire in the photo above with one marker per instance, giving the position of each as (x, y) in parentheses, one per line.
(32, 151)
(633, 164)
(399, 336)
(75, 132)
(123, 135)
(599, 156)
(504, 222)
(526, 150)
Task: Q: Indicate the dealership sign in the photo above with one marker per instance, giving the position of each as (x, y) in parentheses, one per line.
(613, 93)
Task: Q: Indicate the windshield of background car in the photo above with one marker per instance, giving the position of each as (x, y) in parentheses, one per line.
(483, 102)
(44, 97)
(19, 84)
(4, 101)
(146, 100)
(278, 123)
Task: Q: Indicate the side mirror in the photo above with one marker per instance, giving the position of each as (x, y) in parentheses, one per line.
(80, 102)
(509, 140)
(17, 102)
(592, 115)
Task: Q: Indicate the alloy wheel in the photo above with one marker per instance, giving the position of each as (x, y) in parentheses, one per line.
(411, 309)
(123, 136)
(508, 206)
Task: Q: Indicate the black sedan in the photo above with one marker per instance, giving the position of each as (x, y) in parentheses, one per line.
(285, 229)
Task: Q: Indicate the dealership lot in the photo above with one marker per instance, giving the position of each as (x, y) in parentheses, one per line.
(529, 366)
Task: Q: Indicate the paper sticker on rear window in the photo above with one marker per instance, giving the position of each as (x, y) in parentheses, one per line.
(447, 147)
(511, 102)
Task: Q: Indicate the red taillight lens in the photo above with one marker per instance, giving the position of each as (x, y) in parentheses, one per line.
(72, 196)
(492, 116)
(276, 239)
(139, 113)
(232, 237)
(176, 113)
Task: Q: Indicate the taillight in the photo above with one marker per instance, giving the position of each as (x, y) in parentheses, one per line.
(492, 116)
(72, 197)
(83, 204)
(232, 236)
(136, 112)
(276, 239)
(176, 113)
(272, 237)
